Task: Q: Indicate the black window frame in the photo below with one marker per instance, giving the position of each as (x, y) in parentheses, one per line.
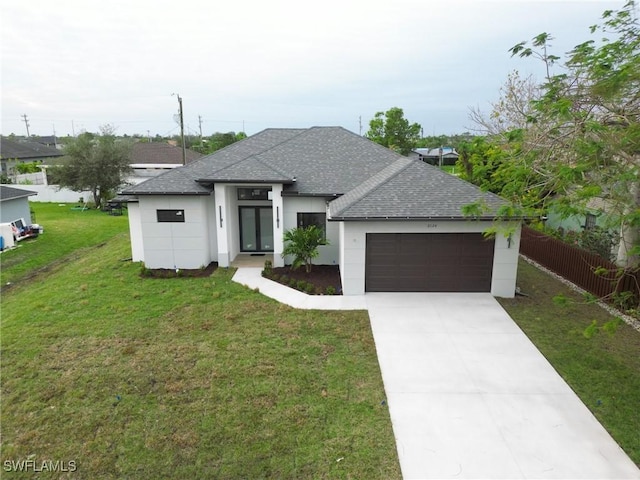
(590, 221)
(319, 219)
(170, 216)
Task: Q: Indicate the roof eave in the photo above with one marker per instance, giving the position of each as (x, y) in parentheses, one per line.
(130, 192)
(244, 180)
(410, 218)
(296, 193)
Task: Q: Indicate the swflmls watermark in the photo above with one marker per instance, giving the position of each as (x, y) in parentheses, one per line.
(37, 466)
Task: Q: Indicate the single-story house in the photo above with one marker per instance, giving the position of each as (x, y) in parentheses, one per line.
(434, 156)
(13, 152)
(14, 204)
(393, 223)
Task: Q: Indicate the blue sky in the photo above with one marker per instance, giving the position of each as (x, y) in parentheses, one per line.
(76, 65)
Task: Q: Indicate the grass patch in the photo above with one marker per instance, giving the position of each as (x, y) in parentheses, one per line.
(66, 233)
(451, 169)
(597, 355)
(133, 377)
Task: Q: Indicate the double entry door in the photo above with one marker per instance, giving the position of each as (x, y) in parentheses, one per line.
(256, 229)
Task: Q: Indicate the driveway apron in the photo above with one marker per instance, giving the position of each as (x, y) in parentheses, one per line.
(471, 397)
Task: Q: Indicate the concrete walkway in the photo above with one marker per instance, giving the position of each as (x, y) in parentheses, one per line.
(469, 395)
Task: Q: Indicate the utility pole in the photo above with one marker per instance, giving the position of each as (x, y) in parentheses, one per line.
(184, 148)
(26, 123)
(200, 126)
(360, 123)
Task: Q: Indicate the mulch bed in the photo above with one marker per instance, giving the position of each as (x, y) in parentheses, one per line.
(182, 272)
(321, 277)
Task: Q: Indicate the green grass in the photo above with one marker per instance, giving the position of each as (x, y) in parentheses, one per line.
(66, 233)
(134, 377)
(602, 368)
(452, 169)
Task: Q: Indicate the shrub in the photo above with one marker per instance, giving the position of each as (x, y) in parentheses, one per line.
(330, 290)
(310, 288)
(302, 244)
(293, 282)
(268, 268)
(301, 285)
(144, 271)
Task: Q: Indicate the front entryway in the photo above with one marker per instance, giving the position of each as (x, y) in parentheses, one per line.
(256, 229)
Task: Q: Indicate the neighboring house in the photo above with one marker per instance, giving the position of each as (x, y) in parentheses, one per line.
(14, 204)
(48, 140)
(432, 156)
(13, 152)
(598, 216)
(149, 159)
(393, 223)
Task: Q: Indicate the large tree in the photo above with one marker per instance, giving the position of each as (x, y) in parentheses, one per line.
(578, 133)
(392, 130)
(98, 163)
(585, 127)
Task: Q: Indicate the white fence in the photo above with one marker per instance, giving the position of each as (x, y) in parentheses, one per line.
(38, 178)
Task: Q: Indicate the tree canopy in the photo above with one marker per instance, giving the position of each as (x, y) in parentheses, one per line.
(392, 130)
(575, 138)
(98, 163)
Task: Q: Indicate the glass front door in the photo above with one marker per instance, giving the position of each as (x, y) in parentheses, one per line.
(256, 229)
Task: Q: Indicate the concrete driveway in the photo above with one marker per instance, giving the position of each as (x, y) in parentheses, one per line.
(471, 397)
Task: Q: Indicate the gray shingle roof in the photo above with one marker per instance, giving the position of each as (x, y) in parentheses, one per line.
(26, 150)
(160, 153)
(411, 189)
(184, 180)
(10, 193)
(371, 181)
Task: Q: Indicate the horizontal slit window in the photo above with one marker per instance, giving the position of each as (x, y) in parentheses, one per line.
(170, 216)
(253, 193)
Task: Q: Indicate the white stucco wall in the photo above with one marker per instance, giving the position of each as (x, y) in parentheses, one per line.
(135, 232)
(176, 244)
(328, 254)
(353, 255)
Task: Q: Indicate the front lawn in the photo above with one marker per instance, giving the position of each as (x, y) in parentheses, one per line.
(602, 368)
(134, 377)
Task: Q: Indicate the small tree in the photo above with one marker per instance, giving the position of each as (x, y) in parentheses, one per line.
(97, 163)
(303, 244)
(392, 130)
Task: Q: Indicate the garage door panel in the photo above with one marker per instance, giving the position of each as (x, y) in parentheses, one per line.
(418, 262)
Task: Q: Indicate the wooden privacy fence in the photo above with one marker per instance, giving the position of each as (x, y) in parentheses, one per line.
(577, 265)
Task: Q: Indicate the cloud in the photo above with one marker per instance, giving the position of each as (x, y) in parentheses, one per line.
(265, 62)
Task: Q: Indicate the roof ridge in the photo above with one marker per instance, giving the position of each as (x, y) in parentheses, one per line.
(255, 158)
(253, 154)
(383, 176)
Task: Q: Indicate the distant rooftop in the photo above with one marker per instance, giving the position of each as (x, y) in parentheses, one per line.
(26, 150)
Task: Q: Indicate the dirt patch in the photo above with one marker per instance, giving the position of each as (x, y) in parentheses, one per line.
(179, 272)
(324, 279)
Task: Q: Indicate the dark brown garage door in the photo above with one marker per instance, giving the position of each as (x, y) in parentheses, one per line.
(421, 262)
